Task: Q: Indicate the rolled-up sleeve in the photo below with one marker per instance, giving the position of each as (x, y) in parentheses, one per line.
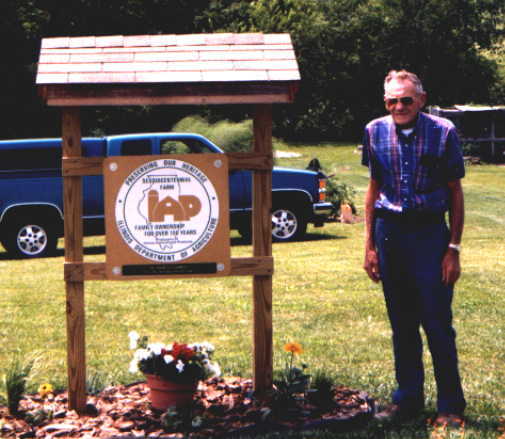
(367, 157)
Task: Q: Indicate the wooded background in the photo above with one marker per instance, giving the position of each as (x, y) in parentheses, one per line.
(344, 49)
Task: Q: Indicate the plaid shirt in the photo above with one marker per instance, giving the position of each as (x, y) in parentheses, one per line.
(413, 171)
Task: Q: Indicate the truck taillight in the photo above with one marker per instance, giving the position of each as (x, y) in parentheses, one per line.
(322, 189)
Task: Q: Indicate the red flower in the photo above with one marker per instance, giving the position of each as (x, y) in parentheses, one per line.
(182, 352)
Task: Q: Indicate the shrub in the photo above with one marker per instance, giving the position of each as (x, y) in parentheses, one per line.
(193, 124)
(338, 193)
(228, 135)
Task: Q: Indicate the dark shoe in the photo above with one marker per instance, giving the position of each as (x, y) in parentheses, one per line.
(395, 413)
(449, 420)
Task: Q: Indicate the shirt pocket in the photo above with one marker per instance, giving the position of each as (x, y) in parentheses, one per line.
(429, 173)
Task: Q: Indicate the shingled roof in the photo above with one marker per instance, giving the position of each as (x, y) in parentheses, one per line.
(212, 68)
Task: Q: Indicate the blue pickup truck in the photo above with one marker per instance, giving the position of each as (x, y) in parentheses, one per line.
(31, 188)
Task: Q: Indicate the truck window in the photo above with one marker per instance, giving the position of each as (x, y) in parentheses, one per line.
(174, 147)
(186, 146)
(136, 147)
(33, 158)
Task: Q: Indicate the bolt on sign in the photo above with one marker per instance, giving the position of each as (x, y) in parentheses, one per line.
(167, 216)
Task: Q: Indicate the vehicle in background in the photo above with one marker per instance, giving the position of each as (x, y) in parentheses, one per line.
(31, 190)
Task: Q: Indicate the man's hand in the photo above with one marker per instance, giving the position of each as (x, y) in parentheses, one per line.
(450, 264)
(371, 265)
(451, 268)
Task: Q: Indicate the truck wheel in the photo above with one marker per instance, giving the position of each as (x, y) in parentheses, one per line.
(26, 238)
(288, 224)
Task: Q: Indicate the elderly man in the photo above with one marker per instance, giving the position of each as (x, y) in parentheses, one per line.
(415, 164)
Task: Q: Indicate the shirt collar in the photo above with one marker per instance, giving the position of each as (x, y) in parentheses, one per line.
(415, 128)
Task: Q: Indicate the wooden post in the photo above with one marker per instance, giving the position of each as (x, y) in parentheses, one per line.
(73, 230)
(262, 246)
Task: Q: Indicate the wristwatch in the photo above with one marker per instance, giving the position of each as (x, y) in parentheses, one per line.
(456, 247)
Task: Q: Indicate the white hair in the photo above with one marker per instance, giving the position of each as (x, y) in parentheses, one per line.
(404, 75)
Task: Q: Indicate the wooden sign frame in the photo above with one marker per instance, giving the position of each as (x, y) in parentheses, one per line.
(259, 266)
(183, 230)
(71, 83)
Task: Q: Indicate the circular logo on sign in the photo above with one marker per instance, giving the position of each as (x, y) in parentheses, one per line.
(167, 210)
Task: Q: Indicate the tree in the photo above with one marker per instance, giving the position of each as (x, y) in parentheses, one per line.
(346, 47)
(25, 22)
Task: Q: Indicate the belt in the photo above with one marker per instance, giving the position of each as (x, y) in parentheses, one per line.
(411, 216)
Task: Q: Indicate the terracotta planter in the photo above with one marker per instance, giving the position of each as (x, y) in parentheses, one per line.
(164, 394)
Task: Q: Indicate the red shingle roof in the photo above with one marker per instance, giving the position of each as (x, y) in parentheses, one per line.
(198, 58)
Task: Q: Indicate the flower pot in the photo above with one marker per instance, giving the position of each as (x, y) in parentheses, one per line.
(164, 393)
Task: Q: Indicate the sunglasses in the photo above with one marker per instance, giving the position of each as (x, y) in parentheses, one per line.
(407, 100)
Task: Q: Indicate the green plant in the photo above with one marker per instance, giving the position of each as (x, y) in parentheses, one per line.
(294, 378)
(177, 362)
(96, 381)
(321, 392)
(228, 135)
(182, 419)
(173, 148)
(174, 419)
(39, 416)
(338, 193)
(15, 380)
(291, 385)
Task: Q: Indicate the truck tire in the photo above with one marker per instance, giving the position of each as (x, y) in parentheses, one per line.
(29, 238)
(289, 223)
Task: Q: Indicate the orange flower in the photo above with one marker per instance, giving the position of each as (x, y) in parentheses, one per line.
(294, 348)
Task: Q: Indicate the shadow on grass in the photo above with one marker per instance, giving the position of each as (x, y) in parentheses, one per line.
(308, 238)
(100, 249)
(91, 250)
(421, 428)
(320, 237)
(416, 428)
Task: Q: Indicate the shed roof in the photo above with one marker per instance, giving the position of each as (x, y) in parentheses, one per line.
(474, 108)
(168, 69)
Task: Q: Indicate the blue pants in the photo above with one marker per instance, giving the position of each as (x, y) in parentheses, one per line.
(410, 262)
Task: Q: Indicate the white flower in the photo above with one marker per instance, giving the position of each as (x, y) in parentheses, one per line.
(168, 358)
(179, 366)
(209, 347)
(197, 422)
(214, 369)
(156, 348)
(134, 366)
(134, 337)
(141, 354)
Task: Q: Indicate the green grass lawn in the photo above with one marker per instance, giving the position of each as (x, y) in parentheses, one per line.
(322, 298)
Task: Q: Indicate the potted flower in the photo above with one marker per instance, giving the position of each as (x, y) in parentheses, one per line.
(172, 370)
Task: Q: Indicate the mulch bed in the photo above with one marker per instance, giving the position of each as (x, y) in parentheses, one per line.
(223, 408)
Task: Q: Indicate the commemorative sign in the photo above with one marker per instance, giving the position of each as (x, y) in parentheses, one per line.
(167, 216)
